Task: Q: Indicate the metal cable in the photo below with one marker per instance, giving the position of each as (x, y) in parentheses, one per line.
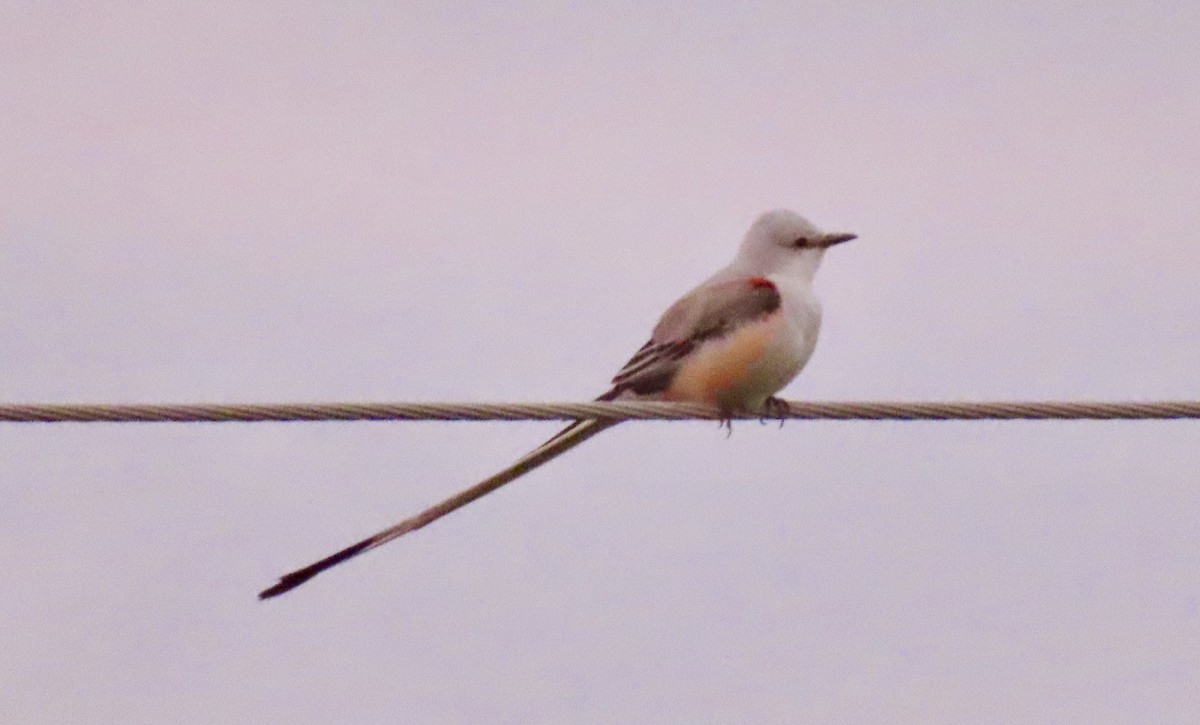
(624, 410)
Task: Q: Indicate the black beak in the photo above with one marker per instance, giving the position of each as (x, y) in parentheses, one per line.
(837, 238)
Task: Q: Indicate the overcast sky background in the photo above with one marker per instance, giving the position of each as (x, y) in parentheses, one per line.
(315, 201)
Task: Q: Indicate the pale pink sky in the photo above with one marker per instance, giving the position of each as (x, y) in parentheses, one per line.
(303, 201)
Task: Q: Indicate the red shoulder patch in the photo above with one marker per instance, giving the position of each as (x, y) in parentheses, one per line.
(762, 282)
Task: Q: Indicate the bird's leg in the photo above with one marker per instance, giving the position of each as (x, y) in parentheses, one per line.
(726, 421)
(776, 408)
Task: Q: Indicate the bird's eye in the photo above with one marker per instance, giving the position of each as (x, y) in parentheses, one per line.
(800, 242)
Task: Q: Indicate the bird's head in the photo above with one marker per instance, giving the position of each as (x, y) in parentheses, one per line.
(780, 240)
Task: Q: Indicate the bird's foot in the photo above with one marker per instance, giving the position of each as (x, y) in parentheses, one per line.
(726, 420)
(775, 408)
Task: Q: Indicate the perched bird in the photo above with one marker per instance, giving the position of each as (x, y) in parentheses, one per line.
(733, 342)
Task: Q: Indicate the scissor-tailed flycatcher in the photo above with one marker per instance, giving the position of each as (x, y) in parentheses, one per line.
(733, 341)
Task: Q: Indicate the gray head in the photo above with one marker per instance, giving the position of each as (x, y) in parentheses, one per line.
(783, 241)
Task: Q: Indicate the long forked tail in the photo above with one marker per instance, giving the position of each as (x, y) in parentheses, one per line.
(563, 441)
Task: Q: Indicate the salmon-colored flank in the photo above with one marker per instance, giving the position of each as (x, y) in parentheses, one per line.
(721, 365)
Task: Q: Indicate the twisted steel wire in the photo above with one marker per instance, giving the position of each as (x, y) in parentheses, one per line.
(618, 410)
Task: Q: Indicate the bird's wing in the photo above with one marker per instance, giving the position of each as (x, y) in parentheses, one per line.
(711, 310)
